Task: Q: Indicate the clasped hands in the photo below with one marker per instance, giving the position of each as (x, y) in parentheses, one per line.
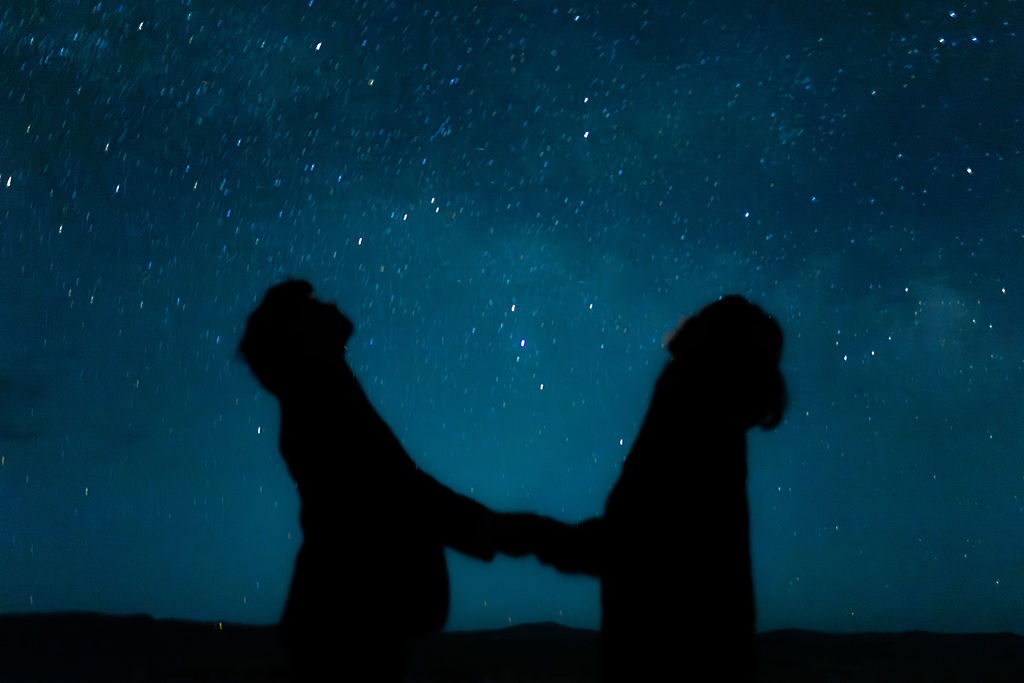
(524, 533)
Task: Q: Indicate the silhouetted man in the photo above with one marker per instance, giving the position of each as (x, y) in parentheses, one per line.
(672, 549)
(371, 572)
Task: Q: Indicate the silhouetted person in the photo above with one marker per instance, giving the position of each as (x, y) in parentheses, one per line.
(672, 549)
(371, 572)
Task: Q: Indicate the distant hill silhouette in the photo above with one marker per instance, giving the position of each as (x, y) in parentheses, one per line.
(96, 647)
(83, 646)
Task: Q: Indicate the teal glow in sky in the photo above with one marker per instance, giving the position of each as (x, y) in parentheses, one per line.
(513, 202)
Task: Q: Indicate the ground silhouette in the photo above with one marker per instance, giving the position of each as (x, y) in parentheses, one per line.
(672, 548)
(371, 573)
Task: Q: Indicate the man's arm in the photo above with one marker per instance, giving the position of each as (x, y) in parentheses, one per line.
(461, 522)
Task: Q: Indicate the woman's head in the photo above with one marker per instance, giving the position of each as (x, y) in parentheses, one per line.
(292, 337)
(732, 349)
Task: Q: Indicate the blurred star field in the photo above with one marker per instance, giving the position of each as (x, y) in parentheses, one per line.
(514, 202)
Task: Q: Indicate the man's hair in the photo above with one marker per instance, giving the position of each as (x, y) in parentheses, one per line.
(271, 330)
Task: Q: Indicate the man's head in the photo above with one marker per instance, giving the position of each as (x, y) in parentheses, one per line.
(292, 337)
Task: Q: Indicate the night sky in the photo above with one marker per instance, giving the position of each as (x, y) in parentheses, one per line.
(514, 202)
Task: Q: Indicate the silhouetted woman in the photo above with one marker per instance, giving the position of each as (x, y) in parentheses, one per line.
(672, 549)
(371, 572)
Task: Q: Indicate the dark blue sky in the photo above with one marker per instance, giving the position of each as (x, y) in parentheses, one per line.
(514, 202)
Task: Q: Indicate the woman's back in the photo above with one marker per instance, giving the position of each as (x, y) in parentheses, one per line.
(676, 589)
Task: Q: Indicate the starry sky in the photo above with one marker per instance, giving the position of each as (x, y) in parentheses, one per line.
(514, 202)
